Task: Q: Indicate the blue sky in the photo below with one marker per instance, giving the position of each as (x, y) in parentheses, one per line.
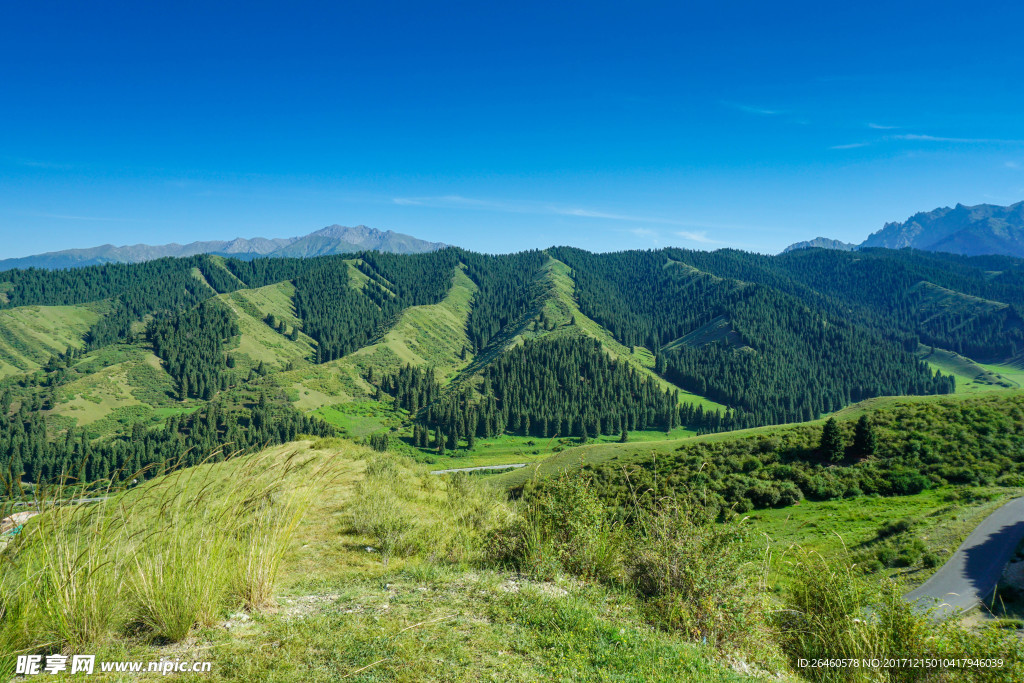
(502, 126)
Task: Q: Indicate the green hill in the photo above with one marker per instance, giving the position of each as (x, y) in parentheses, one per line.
(555, 303)
(936, 300)
(741, 339)
(113, 388)
(971, 377)
(429, 336)
(941, 464)
(885, 407)
(718, 331)
(258, 341)
(29, 335)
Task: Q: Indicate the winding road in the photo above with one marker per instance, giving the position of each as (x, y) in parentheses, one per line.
(971, 574)
(484, 467)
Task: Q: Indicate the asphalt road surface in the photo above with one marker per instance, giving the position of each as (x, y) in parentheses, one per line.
(971, 575)
(485, 467)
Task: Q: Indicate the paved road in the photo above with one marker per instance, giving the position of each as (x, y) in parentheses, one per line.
(485, 467)
(971, 575)
(73, 501)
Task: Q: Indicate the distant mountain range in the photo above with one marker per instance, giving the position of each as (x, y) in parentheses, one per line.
(334, 239)
(967, 230)
(822, 243)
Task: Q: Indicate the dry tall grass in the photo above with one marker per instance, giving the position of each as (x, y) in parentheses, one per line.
(158, 559)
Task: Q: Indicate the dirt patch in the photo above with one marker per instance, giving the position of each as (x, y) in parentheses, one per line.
(545, 588)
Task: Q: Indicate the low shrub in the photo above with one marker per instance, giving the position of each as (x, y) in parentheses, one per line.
(896, 527)
(698, 576)
(562, 527)
(831, 612)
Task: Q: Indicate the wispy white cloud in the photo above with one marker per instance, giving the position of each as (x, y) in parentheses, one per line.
(700, 236)
(756, 110)
(693, 230)
(916, 137)
(1012, 164)
(66, 217)
(913, 137)
(37, 163)
(587, 213)
(450, 199)
(879, 126)
(526, 206)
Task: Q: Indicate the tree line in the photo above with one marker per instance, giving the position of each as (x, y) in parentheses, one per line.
(568, 387)
(28, 452)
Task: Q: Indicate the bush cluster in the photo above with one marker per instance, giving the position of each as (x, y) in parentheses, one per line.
(689, 573)
(918, 446)
(704, 578)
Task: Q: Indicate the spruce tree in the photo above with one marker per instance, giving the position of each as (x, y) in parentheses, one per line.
(864, 440)
(832, 441)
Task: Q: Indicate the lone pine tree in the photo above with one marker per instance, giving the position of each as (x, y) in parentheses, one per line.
(832, 440)
(864, 440)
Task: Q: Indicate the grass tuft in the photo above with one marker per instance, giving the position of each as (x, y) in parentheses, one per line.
(157, 560)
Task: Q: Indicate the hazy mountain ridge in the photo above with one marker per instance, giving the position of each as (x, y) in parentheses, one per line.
(821, 243)
(334, 239)
(967, 230)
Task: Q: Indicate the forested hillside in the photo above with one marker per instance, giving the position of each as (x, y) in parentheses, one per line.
(554, 345)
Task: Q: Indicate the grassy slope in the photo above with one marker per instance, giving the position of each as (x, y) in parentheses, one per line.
(556, 301)
(561, 306)
(511, 448)
(574, 458)
(258, 341)
(432, 335)
(341, 610)
(198, 275)
(357, 279)
(829, 527)
(29, 335)
(939, 301)
(971, 377)
(119, 385)
(219, 262)
(1012, 373)
(340, 614)
(942, 519)
(717, 330)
